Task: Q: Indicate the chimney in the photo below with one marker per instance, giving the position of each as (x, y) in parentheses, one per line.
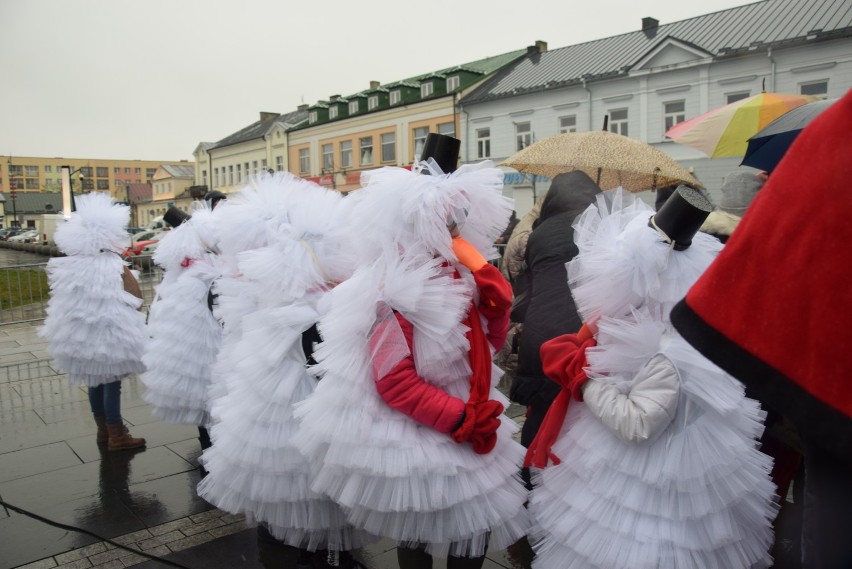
(649, 24)
(333, 98)
(267, 116)
(539, 47)
(303, 107)
(374, 84)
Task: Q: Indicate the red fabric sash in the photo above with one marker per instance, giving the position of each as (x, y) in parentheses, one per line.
(480, 359)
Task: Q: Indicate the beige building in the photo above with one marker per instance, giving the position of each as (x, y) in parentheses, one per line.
(35, 174)
(170, 186)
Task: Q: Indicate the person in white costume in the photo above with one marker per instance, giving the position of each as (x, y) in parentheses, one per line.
(301, 248)
(94, 329)
(658, 466)
(405, 428)
(184, 335)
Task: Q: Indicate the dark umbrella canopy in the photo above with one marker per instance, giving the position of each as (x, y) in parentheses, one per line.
(768, 146)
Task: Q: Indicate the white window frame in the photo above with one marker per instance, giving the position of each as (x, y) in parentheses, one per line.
(328, 156)
(804, 87)
(279, 162)
(372, 102)
(304, 161)
(312, 117)
(231, 175)
(345, 154)
(483, 143)
(395, 97)
(671, 116)
(568, 123)
(419, 137)
(353, 107)
(617, 124)
(453, 82)
(447, 129)
(388, 142)
(426, 89)
(239, 173)
(523, 135)
(365, 150)
(332, 112)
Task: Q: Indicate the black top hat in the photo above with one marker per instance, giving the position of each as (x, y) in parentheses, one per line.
(213, 197)
(444, 150)
(680, 218)
(175, 216)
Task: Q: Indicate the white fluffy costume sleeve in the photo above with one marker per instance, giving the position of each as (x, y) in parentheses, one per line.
(659, 467)
(394, 476)
(184, 335)
(94, 330)
(290, 243)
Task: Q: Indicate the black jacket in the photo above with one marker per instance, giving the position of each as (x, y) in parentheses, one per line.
(551, 311)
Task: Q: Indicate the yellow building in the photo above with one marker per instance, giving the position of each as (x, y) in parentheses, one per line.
(170, 186)
(34, 174)
(385, 125)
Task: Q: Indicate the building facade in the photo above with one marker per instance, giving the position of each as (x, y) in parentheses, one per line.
(646, 81)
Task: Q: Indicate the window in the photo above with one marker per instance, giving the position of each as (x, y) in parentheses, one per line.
(389, 147)
(86, 171)
(346, 154)
(88, 184)
(126, 170)
(312, 117)
(372, 102)
(483, 142)
(103, 184)
(239, 173)
(16, 183)
(453, 83)
(673, 113)
(246, 169)
(31, 170)
(149, 172)
(426, 89)
(304, 160)
(734, 97)
(353, 107)
(328, 157)
(395, 97)
(102, 172)
(230, 175)
(523, 135)
(116, 170)
(254, 167)
(447, 128)
(263, 164)
(817, 88)
(137, 171)
(32, 183)
(216, 177)
(568, 124)
(204, 177)
(332, 112)
(419, 140)
(366, 150)
(138, 181)
(16, 170)
(48, 168)
(618, 121)
(279, 163)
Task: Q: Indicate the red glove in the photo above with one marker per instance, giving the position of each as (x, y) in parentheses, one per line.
(563, 359)
(480, 425)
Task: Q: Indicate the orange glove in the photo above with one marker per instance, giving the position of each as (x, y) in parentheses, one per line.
(468, 255)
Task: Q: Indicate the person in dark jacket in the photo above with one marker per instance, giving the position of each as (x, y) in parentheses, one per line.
(551, 310)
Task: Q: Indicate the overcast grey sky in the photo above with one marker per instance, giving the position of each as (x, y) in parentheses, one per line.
(150, 79)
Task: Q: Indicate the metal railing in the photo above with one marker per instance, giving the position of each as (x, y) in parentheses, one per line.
(24, 291)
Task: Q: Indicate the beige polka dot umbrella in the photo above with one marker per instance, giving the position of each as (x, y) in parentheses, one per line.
(610, 159)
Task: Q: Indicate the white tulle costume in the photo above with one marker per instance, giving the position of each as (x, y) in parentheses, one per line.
(94, 330)
(298, 248)
(679, 488)
(184, 335)
(394, 476)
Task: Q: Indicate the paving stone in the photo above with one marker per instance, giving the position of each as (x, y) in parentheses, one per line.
(76, 554)
(48, 563)
(135, 559)
(114, 564)
(79, 564)
(204, 516)
(129, 538)
(202, 527)
(108, 555)
(160, 540)
(229, 529)
(191, 541)
(170, 526)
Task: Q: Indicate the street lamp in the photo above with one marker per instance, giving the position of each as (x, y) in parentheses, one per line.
(68, 189)
(13, 193)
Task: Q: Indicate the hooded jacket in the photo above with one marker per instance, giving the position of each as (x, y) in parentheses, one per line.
(551, 311)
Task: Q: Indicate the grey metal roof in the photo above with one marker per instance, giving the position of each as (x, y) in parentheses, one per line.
(33, 202)
(259, 129)
(179, 171)
(723, 33)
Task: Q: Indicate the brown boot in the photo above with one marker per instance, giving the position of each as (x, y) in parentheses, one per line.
(103, 434)
(120, 439)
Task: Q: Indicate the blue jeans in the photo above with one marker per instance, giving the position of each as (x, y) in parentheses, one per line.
(106, 401)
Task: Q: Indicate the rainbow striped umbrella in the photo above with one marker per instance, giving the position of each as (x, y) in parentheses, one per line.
(725, 131)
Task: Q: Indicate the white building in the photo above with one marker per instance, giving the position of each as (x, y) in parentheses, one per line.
(648, 80)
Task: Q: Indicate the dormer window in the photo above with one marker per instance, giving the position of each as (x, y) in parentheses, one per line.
(395, 97)
(332, 112)
(312, 117)
(353, 107)
(372, 102)
(453, 83)
(426, 89)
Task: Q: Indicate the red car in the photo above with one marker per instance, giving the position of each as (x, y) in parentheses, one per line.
(140, 240)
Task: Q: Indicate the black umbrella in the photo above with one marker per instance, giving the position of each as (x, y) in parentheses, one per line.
(767, 146)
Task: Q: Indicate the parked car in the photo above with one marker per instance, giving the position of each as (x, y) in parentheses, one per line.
(28, 236)
(7, 232)
(135, 230)
(140, 240)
